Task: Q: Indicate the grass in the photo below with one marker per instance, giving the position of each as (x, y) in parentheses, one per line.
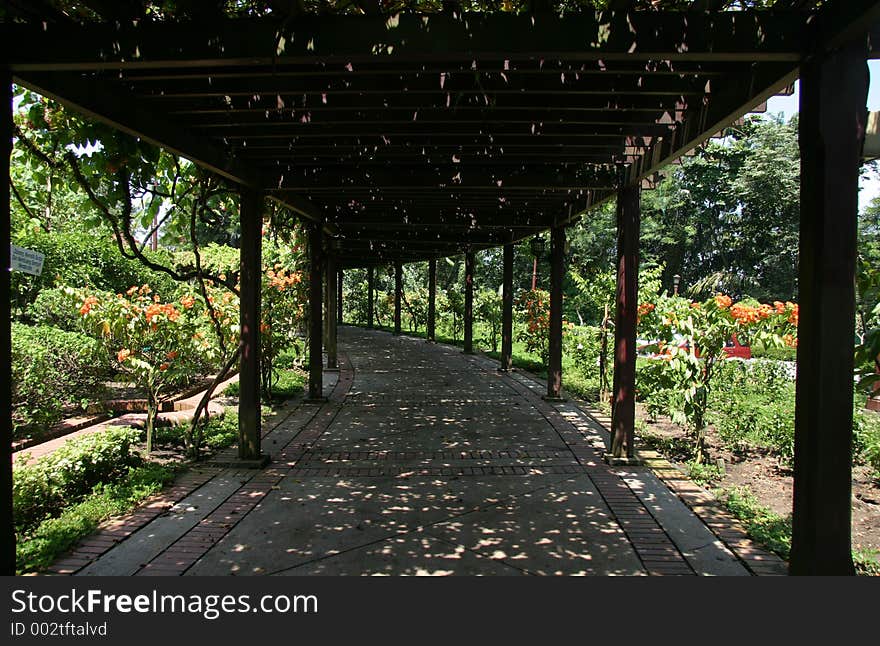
(290, 382)
(56, 535)
(773, 531)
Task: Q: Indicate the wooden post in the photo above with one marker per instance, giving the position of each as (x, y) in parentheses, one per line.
(557, 275)
(371, 284)
(327, 311)
(339, 314)
(432, 298)
(469, 302)
(249, 317)
(7, 531)
(316, 262)
(507, 310)
(623, 417)
(832, 125)
(332, 363)
(398, 294)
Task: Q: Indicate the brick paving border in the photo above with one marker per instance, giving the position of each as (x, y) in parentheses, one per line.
(115, 530)
(183, 553)
(656, 550)
(706, 507)
(215, 525)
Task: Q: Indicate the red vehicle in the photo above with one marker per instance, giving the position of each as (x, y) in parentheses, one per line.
(733, 348)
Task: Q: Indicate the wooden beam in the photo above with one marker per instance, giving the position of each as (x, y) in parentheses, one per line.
(249, 433)
(490, 84)
(557, 276)
(7, 524)
(469, 301)
(432, 299)
(507, 309)
(623, 411)
(331, 314)
(316, 349)
(644, 35)
(453, 176)
(398, 295)
(371, 283)
(110, 105)
(832, 124)
(737, 97)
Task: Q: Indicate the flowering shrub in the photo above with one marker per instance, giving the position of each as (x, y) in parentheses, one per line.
(535, 313)
(690, 338)
(42, 489)
(51, 370)
(156, 344)
(283, 311)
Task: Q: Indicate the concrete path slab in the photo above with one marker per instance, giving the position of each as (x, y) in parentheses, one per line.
(426, 461)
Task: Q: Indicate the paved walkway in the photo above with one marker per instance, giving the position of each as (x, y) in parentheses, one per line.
(423, 461)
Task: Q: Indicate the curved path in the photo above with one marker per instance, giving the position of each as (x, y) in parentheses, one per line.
(423, 461)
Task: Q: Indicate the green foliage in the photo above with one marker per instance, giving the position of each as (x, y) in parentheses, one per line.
(488, 310)
(52, 370)
(866, 438)
(690, 339)
(773, 531)
(753, 406)
(768, 528)
(533, 315)
(54, 536)
(355, 296)
(451, 310)
(704, 474)
(42, 489)
(80, 260)
(284, 305)
(726, 219)
(55, 307)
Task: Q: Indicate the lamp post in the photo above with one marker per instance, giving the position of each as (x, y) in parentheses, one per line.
(675, 281)
(536, 246)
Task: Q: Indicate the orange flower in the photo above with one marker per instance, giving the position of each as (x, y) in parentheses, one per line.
(790, 341)
(164, 366)
(794, 315)
(87, 305)
(722, 301)
(265, 327)
(132, 290)
(187, 301)
(171, 354)
(644, 308)
(780, 306)
(123, 354)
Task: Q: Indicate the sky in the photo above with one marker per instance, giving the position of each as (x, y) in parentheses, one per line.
(788, 105)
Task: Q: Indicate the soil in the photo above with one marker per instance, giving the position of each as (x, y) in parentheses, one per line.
(771, 483)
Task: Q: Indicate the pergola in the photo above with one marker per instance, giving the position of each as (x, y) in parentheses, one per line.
(402, 137)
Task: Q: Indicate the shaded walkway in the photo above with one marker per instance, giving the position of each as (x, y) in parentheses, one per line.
(423, 461)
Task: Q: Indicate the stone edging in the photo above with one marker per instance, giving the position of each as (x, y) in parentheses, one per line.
(706, 507)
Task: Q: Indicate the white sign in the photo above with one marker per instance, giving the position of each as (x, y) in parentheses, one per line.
(30, 262)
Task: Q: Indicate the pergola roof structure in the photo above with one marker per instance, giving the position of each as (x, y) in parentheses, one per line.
(413, 136)
(417, 136)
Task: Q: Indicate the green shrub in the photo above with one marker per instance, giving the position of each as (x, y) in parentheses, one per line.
(56, 307)
(782, 353)
(72, 258)
(655, 388)
(56, 535)
(866, 438)
(52, 369)
(43, 489)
